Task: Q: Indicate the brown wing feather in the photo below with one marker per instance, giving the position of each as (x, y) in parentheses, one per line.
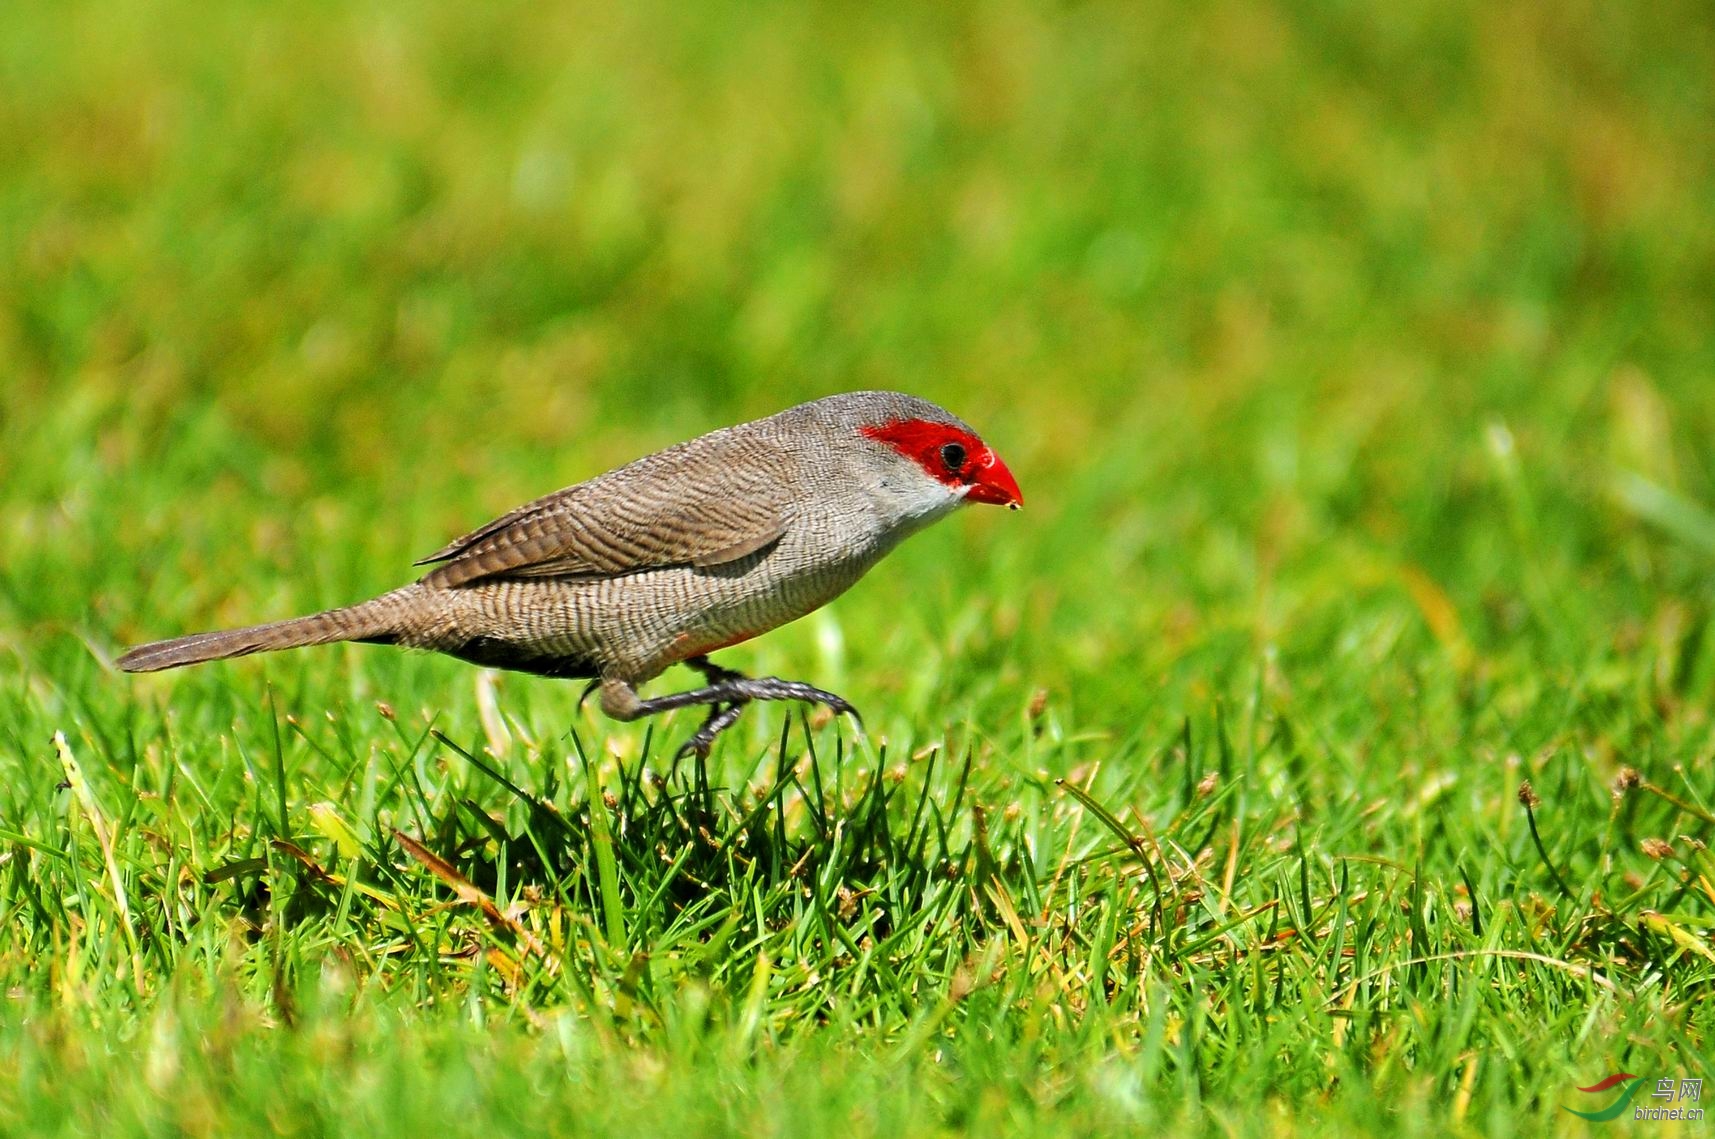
(673, 508)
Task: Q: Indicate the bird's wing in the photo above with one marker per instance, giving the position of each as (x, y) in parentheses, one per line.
(657, 512)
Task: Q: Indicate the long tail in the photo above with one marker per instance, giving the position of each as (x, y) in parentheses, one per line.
(375, 620)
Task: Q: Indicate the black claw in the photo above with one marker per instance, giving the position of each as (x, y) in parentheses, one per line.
(585, 694)
(719, 720)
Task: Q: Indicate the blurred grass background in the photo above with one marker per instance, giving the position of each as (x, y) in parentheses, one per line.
(1356, 363)
(1243, 290)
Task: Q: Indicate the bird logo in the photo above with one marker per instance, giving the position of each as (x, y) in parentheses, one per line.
(1630, 1082)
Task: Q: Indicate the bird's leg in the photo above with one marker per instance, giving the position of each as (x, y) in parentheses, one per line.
(712, 672)
(720, 718)
(726, 687)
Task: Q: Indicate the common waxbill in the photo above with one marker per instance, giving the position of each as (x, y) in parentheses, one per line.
(669, 558)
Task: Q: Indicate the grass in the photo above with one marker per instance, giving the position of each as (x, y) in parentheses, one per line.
(1327, 747)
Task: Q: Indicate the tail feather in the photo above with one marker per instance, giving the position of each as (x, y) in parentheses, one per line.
(371, 621)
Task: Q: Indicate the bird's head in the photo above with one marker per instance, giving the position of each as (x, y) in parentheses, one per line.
(950, 455)
(915, 462)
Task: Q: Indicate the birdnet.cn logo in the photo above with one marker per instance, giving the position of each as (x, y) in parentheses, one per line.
(1671, 1099)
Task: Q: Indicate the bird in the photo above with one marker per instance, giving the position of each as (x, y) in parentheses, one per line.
(669, 558)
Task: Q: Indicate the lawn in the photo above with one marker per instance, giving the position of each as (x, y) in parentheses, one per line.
(1326, 748)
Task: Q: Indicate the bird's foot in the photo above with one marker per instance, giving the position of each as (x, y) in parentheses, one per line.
(727, 694)
(720, 718)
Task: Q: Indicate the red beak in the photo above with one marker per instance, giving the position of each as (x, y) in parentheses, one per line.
(993, 483)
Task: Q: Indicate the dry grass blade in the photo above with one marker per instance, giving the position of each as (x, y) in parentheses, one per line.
(103, 836)
(471, 894)
(1584, 971)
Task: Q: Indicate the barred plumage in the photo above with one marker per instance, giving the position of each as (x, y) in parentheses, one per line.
(668, 558)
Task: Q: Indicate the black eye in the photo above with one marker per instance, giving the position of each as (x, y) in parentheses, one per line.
(953, 454)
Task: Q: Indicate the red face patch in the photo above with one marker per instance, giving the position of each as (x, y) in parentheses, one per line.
(953, 457)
